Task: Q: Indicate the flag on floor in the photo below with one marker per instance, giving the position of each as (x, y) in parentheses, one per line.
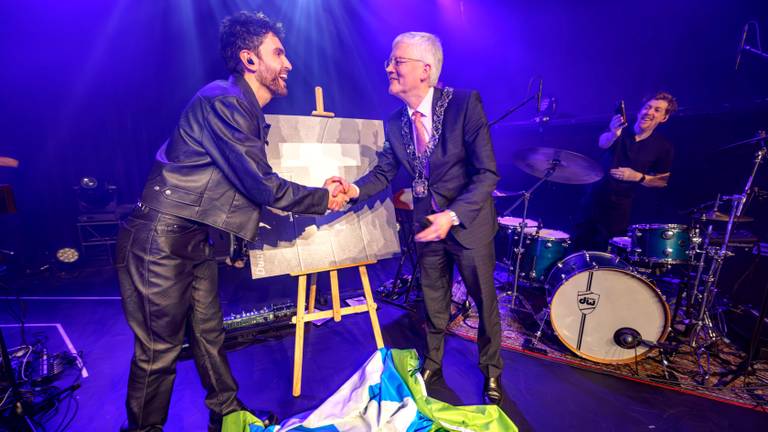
(386, 394)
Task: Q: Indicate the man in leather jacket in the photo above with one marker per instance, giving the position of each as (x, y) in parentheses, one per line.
(213, 171)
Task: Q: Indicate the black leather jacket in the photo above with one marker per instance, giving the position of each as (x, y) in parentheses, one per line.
(214, 168)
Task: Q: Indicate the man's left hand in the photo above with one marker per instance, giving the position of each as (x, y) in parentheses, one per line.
(625, 174)
(441, 224)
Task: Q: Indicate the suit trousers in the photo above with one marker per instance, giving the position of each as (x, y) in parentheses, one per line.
(169, 286)
(436, 264)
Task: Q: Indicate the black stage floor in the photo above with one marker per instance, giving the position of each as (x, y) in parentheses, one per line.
(540, 395)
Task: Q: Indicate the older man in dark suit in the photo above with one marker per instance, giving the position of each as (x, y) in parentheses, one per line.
(441, 138)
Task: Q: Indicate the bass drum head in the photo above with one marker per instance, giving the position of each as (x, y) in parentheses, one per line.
(590, 306)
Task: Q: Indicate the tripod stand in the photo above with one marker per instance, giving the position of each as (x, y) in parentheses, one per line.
(392, 294)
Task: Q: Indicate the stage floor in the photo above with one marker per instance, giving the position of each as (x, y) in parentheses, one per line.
(539, 395)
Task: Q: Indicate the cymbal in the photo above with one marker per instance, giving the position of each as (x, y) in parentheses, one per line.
(565, 166)
(721, 217)
(759, 137)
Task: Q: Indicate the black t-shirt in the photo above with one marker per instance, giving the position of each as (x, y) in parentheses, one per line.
(650, 156)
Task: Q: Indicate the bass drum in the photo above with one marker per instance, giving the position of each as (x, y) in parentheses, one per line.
(594, 294)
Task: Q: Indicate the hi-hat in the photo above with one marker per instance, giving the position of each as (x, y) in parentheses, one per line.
(562, 166)
(721, 217)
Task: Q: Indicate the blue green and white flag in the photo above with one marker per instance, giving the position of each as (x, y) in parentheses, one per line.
(386, 394)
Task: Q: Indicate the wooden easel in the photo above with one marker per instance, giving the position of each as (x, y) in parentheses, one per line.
(336, 312)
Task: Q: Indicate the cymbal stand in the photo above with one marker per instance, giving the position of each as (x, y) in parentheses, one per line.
(746, 367)
(703, 325)
(555, 163)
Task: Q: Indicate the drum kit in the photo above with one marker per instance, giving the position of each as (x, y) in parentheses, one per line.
(606, 306)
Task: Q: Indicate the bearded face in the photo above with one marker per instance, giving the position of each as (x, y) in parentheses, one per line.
(273, 66)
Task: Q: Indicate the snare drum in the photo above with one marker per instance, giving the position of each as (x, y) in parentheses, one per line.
(661, 243)
(594, 294)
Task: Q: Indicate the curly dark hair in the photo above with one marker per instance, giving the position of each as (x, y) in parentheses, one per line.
(244, 31)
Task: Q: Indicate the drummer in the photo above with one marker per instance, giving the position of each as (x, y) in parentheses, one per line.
(635, 157)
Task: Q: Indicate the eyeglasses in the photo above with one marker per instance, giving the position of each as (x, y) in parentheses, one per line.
(399, 61)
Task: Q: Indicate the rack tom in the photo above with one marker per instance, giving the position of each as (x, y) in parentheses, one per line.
(660, 243)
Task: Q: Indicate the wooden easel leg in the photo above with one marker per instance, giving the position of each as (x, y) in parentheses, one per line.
(312, 292)
(335, 295)
(371, 307)
(298, 353)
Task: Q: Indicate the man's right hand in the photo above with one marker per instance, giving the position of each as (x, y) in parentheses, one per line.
(337, 189)
(345, 187)
(617, 124)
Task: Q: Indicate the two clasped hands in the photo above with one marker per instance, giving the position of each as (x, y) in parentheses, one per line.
(340, 191)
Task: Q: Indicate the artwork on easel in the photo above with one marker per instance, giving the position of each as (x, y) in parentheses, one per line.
(308, 150)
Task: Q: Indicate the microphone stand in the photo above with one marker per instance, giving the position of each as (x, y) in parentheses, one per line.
(514, 108)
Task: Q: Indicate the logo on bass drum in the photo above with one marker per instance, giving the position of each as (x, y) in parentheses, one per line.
(587, 301)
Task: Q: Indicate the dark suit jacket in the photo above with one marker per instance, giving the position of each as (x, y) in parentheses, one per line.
(462, 168)
(214, 168)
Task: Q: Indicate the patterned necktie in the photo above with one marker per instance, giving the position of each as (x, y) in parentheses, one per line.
(421, 132)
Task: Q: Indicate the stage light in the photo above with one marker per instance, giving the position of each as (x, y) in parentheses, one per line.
(67, 255)
(88, 183)
(94, 196)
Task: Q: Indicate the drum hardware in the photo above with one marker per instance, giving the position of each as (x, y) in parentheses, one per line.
(560, 166)
(629, 338)
(518, 251)
(746, 368)
(704, 334)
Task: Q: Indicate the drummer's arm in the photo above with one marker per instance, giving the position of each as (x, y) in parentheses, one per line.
(614, 131)
(627, 174)
(656, 181)
(607, 139)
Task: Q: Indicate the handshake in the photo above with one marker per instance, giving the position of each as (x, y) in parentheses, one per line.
(340, 192)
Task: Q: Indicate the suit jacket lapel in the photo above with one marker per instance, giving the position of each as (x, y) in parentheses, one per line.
(434, 158)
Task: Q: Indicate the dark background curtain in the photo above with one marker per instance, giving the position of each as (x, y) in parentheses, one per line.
(93, 87)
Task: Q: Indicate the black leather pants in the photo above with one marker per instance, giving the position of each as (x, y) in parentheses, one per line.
(169, 286)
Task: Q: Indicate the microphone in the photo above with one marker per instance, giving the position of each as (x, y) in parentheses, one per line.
(627, 338)
(541, 88)
(741, 45)
(547, 110)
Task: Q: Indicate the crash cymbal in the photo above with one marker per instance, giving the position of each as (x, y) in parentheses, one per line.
(721, 217)
(759, 137)
(565, 166)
